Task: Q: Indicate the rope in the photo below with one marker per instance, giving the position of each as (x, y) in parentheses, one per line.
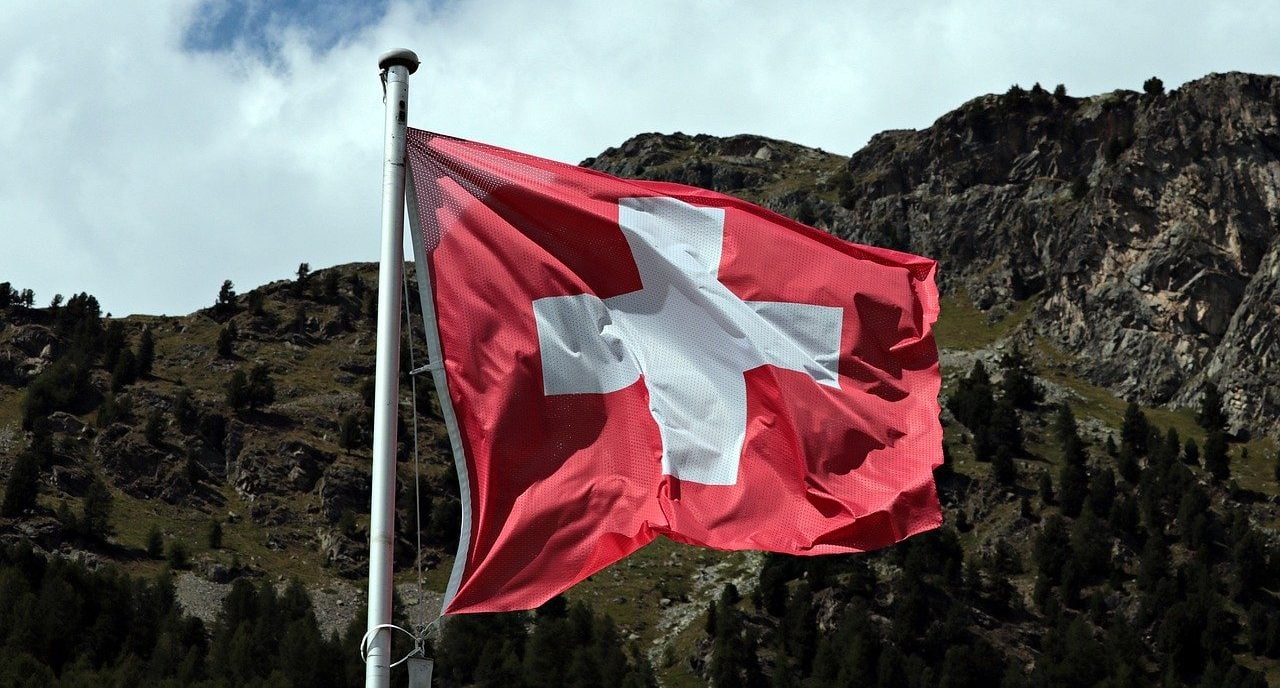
(417, 474)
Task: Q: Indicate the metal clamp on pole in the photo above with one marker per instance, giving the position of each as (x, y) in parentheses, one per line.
(428, 368)
(396, 67)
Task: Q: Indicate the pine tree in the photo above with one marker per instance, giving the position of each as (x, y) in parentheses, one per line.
(1051, 549)
(972, 402)
(126, 371)
(329, 286)
(1127, 464)
(262, 389)
(1210, 416)
(1005, 427)
(96, 520)
(113, 342)
(256, 307)
(299, 323)
(1153, 565)
(1102, 491)
(237, 391)
(1003, 469)
(1073, 482)
(1046, 488)
(1172, 445)
(1191, 452)
(146, 352)
(349, 434)
(24, 484)
(153, 431)
(1018, 384)
(155, 543)
(179, 557)
(226, 302)
(1216, 459)
(1134, 430)
(798, 627)
(214, 535)
(226, 340)
(184, 411)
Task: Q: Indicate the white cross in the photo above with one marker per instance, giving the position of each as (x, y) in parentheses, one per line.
(687, 334)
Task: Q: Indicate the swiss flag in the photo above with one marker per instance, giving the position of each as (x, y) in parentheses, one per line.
(626, 359)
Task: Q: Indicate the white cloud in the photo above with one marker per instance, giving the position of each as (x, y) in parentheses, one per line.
(146, 175)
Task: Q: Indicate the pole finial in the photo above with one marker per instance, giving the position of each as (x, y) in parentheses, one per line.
(400, 56)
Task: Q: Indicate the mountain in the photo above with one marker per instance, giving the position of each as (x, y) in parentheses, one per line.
(1140, 231)
(1109, 275)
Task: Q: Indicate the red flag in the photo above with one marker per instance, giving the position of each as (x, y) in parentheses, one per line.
(627, 359)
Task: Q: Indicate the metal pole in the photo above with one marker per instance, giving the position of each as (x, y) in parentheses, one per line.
(396, 67)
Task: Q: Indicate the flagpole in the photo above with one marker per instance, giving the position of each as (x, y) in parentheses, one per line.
(396, 67)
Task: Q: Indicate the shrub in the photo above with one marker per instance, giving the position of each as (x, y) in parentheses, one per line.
(155, 543)
(179, 557)
(214, 534)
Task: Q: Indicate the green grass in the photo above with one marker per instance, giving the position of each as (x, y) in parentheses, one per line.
(964, 327)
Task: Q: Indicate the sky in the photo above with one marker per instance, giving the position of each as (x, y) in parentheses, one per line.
(149, 151)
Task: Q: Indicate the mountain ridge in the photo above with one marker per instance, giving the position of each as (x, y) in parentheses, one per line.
(1143, 225)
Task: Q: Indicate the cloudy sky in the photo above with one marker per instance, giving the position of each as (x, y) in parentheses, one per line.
(149, 150)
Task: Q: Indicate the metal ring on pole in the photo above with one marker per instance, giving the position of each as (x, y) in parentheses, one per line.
(368, 635)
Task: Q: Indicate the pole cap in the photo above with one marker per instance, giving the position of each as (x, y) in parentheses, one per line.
(401, 56)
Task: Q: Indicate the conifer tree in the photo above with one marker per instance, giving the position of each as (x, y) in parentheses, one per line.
(96, 520)
(1216, 459)
(1127, 464)
(146, 352)
(153, 431)
(226, 340)
(1210, 416)
(1134, 430)
(1075, 486)
(237, 391)
(262, 389)
(23, 485)
(1191, 452)
(972, 402)
(113, 342)
(1046, 488)
(125, 372)
(349, 434)
(1102, 492)
(256, 307)
(214, 534)
(1003, 469)
(179, 557)
(1006, 428)
(184, 411)
(1153, 563)
(226, 302)
(1018, 384)
(155, 543)
(798, 628)
(1051, 549)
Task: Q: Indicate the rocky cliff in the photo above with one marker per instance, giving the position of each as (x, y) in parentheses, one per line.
(1142, 228)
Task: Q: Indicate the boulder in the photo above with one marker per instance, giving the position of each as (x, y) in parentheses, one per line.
(342, 487)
